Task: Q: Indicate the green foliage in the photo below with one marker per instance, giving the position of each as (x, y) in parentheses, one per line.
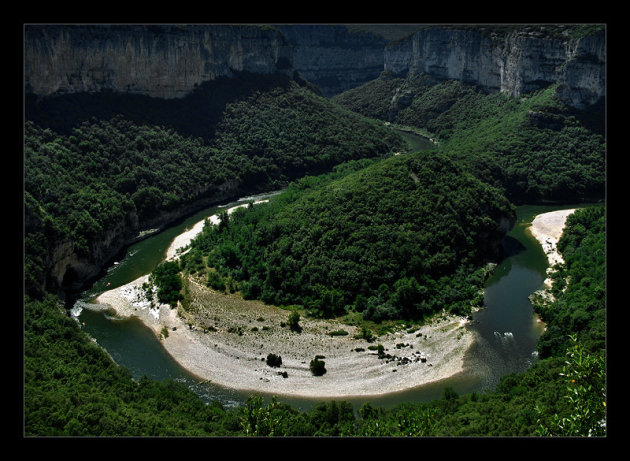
(584, 378)
(294, 321)
(168, 282)
(73, 388)
(317, 367)
(338, 333)
(402, 421)
(95, 161)
(84, 176)
(534, 147)
(579, 286)
(371, 99)
(258, 420)
(561, 395)
(215, 281)
(401, 238)
(274, 360)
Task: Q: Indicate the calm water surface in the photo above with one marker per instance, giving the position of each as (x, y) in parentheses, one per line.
(416, 141)
(506, 328)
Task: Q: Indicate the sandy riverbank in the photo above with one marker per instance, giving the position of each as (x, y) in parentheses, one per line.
(225, 339)
(547, 228)
(230, 339)
(183, 239)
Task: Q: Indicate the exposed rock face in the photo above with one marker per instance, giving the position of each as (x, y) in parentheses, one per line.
(160, 61)
(335, 58)
(518, 63)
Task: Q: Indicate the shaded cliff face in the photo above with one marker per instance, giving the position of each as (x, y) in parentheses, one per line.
(160, 61)
(517, 63)
(335, 58)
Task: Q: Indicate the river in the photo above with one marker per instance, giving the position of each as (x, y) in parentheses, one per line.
(506, 328)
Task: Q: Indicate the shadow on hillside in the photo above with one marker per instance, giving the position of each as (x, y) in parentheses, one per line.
(195, 114)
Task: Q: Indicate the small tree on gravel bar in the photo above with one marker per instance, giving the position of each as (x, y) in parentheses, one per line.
(317, 367)
(274, 360)
(293, 321)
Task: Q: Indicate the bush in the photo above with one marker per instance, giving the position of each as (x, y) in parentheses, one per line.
(274, 360)
(293, 322)
(317, 367)
(168, 282)
(338, 333)
(215, 281)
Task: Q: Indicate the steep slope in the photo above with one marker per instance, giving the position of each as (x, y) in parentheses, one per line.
(510, 59)
(335, 57)
(534, 147)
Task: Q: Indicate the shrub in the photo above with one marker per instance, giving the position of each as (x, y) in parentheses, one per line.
(215, 281)
(274, 360)
(317, 367)
(293, 321)
(338, 333)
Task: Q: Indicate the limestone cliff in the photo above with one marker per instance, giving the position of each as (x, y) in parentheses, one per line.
(160, 61)
(515, 62)
(334, 57)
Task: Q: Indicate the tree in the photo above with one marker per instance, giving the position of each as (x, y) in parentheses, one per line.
(274, 360)
(259, 420)
(293, 321)
(168, 282)
(215, 281)
(585, 391)
(317, 367)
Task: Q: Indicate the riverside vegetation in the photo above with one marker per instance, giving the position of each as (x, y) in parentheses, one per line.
(118, 164)
(402, 238)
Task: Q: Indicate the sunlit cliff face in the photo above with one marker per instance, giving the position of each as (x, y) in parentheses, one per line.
(517, 64)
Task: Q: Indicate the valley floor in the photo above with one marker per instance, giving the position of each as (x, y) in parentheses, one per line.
(224, 339)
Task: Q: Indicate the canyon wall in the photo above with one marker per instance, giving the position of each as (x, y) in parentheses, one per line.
(333, 57)
(517, 62)
(160, 61)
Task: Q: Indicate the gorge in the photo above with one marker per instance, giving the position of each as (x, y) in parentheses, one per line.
(132, 129)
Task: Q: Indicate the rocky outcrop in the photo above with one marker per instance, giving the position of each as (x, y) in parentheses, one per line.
(516, 63)
(159, 61)
(333, 57)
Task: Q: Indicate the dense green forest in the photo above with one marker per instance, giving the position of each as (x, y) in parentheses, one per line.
(579, 286)
(534, 148)
(401, 238)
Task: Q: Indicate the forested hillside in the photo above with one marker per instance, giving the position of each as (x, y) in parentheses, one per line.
(402, 238)
(534, 148)
(93, 162)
